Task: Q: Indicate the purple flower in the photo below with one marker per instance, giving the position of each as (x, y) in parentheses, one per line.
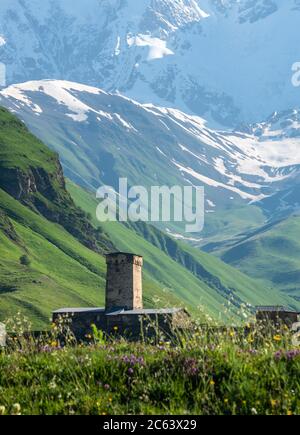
(132, 360)
(106, 387)
(130, 371)
(190, 366)
(289, 355)
(278, 355)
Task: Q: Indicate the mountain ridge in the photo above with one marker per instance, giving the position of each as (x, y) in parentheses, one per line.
(101, 137)
(61, 271)
(195, 55)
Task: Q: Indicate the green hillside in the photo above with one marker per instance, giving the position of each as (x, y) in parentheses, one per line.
(39, 219)
(271, 253)
(33, 175)
(64, 249)
(195, 276)
(62, 272)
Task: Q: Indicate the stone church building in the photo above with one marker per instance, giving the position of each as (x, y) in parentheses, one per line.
(123, 313)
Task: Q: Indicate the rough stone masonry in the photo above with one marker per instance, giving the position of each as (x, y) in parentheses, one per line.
(123, 313)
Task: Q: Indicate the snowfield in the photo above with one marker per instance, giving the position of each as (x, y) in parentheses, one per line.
(223, 60)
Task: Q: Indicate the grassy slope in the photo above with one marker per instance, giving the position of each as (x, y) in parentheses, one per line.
(19, 148)
(82, 149)
(31, 173)
(214, 274)
(62, 272)
(271, 253)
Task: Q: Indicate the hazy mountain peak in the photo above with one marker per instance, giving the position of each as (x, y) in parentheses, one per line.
(195, 55)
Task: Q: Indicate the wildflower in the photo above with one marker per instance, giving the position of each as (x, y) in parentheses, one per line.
(225, 401)
(277, 338)
(253, 411)
(278, 355)
(289, 412)
(291, 354)
(16, 409)
(115, 328)
(2, 410)
(52, 385)
(273, 403)
(190, 366)
(231, 334)
(212, 382)
(106, 387)
(130, 371)
(110, 399)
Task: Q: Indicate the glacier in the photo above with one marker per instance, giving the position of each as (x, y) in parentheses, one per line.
(228, 61)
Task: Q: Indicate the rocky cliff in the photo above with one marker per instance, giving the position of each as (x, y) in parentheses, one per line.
(33, 175)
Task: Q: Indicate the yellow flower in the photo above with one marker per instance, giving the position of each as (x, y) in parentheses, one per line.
(53, 343)
(110, 399)
(225, 400)
(277, 338)
(2, 410)
(289, 412)
(232, 334)
(212, 382)
(273, 403)
(115, 328)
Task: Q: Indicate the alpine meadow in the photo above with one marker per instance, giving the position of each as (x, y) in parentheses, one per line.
(149, 210)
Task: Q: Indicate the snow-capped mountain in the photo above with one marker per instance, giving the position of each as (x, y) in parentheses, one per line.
(101, 137)
(225, 60)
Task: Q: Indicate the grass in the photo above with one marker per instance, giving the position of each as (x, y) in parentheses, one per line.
(21, 149)
(203, 372)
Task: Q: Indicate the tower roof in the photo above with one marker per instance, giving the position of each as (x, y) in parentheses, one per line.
(275, 308)
(129, 254)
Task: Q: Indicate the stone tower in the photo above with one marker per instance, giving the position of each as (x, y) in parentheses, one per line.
(124, 282)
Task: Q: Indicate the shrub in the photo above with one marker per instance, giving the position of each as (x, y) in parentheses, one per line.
(25, 260)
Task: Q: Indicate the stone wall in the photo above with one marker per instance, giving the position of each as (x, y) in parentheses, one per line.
(136, 327)
(277, 317)
(80, 323)
(124, 282)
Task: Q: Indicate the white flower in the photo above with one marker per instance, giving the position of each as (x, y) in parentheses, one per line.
(16, 409)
